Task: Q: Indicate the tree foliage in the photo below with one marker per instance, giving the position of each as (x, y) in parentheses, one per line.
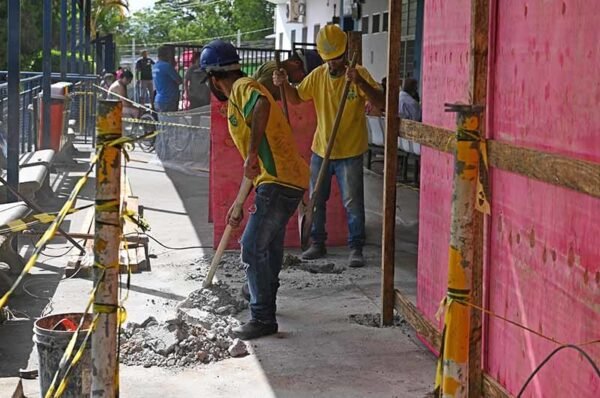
(197, 21)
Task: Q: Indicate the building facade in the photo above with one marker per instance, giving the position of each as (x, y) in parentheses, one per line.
(298, 22)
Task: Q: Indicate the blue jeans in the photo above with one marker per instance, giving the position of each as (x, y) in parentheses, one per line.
(349, 173)
(171, 106)
(262, 246)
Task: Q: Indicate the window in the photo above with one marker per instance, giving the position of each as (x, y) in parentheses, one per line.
(365, 25)
(281, 41)
(305, 35)
(293, 38)
(385, 22)
(376, 19)
(316, 30)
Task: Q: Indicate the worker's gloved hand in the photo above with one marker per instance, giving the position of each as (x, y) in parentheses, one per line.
(235, 215)
(280, 77)
(353, 76)
(251, 166)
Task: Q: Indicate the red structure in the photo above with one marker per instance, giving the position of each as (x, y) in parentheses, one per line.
(542, 254)
(226, 174)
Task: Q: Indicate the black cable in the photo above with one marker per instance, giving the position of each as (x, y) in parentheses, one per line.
(541, 365)
(170, 247)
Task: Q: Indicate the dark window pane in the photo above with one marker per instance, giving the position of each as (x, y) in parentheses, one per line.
(385, 22)
(365, 24)
(316, 28)
(376, 19)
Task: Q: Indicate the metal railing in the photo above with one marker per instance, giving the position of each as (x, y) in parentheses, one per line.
(80, 106)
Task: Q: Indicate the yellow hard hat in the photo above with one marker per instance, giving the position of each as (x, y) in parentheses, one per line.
(331, 42)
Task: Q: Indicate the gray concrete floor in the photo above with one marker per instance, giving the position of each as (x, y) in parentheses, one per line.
(318, 352)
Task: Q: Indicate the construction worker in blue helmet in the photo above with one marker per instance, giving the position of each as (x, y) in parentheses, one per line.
(300, 63)
(264, 138)
(324, 86)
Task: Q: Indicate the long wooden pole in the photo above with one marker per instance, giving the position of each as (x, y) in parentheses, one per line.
(390, 164)
(478, 94)
(108, 232)
(452, 378)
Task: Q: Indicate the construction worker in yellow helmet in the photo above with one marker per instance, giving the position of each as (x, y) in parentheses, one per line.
(324, 86)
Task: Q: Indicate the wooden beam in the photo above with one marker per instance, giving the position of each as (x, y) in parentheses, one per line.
(493, 389)
(392, 126)
(417, 320)
(563, 171)
(478, 94)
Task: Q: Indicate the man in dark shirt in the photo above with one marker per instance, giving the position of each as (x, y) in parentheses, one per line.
(143, 71)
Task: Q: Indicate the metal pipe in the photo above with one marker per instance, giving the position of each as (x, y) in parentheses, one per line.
(452, 378)
(14, 66)
(63, 39)
(73, 68)
(80, 48)
(46, 72)
(87, 9)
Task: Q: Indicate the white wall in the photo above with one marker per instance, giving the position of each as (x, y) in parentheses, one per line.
(375, 44)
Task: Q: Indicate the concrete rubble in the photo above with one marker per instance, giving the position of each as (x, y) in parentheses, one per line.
(199, 334)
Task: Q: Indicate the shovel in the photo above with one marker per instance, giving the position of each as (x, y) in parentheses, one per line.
(306, 211)
(239, 201)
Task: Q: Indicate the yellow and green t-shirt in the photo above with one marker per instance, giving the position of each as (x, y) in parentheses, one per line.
(280, 161)
(326, 93)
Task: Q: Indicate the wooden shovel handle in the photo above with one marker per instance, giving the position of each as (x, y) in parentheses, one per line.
(245, 188)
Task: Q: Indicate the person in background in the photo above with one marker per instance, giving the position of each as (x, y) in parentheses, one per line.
(264, 139)
(107, 80)
(143, 71)
(166, 81)
(119, 87)
(324, 86)
(409, 107)
(297, 67)
(119, 72)
(196, 89)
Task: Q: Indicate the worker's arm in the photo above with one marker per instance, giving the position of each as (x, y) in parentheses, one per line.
(374, 94)
(280, 78)
(258, 126)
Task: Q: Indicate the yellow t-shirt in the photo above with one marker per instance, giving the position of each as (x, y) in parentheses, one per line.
(280, 161)
(326, 92)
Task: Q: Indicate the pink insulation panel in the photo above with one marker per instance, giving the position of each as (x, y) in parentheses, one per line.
(445, 79)
(226, 175)
(544, 268)
(543, 265)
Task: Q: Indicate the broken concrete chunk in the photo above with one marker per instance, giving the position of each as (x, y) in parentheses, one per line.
(238, 348)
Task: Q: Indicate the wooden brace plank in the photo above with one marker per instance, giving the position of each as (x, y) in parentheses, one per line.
(416, 319)
(579, 175)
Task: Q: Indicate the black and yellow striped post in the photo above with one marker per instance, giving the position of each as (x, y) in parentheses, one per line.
(106, 250)
(453, 366)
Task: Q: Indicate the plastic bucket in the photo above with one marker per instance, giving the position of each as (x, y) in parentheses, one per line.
(51, 345)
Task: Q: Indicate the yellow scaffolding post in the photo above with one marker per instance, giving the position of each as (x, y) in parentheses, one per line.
(107, 239)
(453, 365)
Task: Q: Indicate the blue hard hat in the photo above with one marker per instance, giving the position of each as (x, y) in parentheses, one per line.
(219, 55)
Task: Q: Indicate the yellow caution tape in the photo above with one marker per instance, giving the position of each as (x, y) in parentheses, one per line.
(163, 123)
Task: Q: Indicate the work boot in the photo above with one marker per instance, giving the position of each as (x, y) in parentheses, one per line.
(245, 292)
(315, 251)
(356, 259)
(254, 329)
